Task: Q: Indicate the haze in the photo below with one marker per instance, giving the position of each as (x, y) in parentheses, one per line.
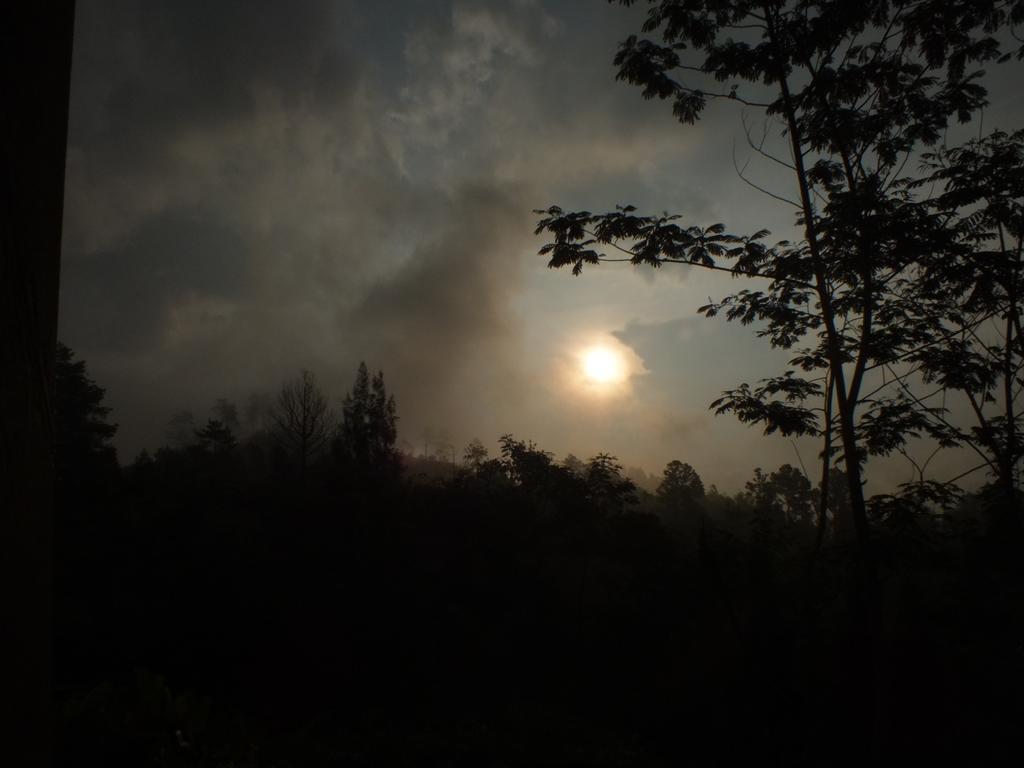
(257, 188)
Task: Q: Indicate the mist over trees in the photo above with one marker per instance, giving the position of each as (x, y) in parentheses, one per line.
(514, 610)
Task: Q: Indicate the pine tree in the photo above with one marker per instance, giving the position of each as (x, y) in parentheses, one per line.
(85, 457)
(216, 437)
(368, 430)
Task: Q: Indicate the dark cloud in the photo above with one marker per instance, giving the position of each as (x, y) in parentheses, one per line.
(148, 69)
(122, 295)
(237, 210)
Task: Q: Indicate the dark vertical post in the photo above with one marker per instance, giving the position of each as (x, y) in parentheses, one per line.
(35, 73)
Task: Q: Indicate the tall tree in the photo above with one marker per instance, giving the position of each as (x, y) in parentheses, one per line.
(369, 423)
(854, 89)
(769, 516)
(35, 73)
(795, 493)
(607, 488)
(680, 485)
(216, 437)
(681, 494)
(303, 420)
(475, 454)
(83, 451)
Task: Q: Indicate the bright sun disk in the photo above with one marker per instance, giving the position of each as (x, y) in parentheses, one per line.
(602, 365)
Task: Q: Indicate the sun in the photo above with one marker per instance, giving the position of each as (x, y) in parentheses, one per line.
(602, 365)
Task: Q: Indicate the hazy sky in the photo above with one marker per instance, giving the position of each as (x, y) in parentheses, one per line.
(254, 188)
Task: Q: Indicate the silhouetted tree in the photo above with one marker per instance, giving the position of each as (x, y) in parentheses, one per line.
(474, 455)
(303, 419)
(975, 292)
(575, 465)
(680, 497)
(607, 488)
(783, 501)
(369, 424)
(680, 486)
(795, 494)
(216, 437)
(526, 465)
(763, 497)
(84, 454)
(856, 89)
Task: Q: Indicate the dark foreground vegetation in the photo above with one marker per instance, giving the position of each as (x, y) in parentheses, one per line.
(234, 601)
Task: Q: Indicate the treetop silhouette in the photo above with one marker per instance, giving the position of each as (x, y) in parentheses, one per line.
(855, 89)
(369, 423)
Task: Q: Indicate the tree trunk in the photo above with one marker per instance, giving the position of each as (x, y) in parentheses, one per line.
(35, 69)
(865, 637)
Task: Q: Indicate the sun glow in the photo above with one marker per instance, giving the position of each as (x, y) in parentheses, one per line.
(602, 365)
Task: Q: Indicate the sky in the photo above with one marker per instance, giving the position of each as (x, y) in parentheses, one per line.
(257, 188)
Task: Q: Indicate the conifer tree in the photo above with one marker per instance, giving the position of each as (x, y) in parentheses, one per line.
(369, 423)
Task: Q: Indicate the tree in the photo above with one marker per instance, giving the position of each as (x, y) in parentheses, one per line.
(575, 464)
(607, 489)
(526, 465)
(976, 292)
(303, 419)
(680, 486)
(216, 437)
(769, 517)
(369, 424)
(226, 413)
(81, 424)
(84, 455)
(795, 494)
(855, 89)
(681, 496)
(474, 455)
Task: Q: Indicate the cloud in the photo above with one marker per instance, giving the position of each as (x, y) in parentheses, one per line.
(255, 188)
(454, 68)
(123, 294)
(442, 324)
(234, 213)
